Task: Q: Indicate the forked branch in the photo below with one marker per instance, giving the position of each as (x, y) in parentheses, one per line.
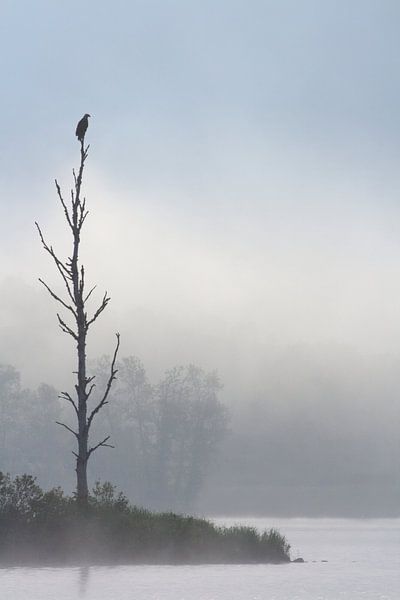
(113, 373)
(103, 306)
(63, 269)
(68, 398)
(65, 328)
(103, 444)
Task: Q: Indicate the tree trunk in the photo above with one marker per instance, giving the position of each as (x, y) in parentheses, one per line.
(73, 275)
(82, 491)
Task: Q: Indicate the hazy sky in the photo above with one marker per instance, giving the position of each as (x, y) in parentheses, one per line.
(243, 175)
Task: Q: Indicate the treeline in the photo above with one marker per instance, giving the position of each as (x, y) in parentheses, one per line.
(165, 435)
(50, 527)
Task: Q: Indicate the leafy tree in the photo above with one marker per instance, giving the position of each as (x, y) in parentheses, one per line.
(10, 399)
(27, 431)
(168, 434)
(191, 422)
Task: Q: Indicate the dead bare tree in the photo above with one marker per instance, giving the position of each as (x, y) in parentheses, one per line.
(74, 302)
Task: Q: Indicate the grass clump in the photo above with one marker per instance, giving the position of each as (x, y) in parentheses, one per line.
(48, 527)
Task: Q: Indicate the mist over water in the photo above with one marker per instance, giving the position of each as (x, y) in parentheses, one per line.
(313, 426)
(243, 190)
(362, 563)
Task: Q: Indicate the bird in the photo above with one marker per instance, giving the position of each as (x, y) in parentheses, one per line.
(82, 127)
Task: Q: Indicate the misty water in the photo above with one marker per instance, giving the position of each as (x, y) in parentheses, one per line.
(363, 563)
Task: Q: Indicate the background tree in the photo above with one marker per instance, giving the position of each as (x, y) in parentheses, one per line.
(75, 301)
(190, 424)
(10, 406)
(168, 433)
(27, 429)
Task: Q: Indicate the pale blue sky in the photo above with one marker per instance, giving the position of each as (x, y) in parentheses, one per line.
(167, 81)
(246, 153)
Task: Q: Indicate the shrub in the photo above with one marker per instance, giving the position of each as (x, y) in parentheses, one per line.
(50, 527)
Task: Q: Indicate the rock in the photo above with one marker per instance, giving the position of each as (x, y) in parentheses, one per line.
(298, 560)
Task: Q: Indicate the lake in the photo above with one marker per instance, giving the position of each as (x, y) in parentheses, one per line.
(363, 563)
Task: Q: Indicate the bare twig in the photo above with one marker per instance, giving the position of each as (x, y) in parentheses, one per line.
(54, 295)
(65, 328)
(64, 270)
(66, 212)
(50, 250)
(113, 372)
(90, 390)
(100, 444)
(68, 428)
(103, 305)
(68, 398)
(89, 294)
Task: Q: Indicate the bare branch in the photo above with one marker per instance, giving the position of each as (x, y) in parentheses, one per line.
(68, 428)
(54, 295)
(100, 444)
(89, 294)
(50, 250)
(63, 204)
(62, 268)
(103, 305)
(90, 390)
(83, 218)
(65, 328)
(113, 372)
(68, 398)
(83, 213)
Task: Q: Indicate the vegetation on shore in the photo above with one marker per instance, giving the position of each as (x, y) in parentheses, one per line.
(49, 527)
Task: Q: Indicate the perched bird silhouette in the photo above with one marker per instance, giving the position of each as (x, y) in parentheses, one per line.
(82, 127)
